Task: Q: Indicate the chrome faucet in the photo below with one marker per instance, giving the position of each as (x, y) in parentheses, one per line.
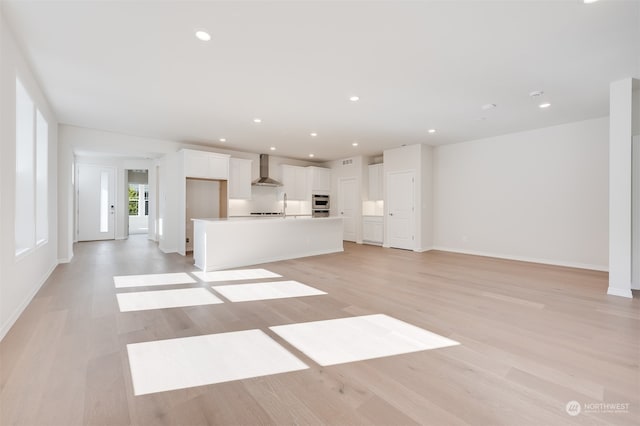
(284, 205)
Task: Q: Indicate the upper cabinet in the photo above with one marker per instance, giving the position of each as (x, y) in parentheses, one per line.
(239, 179)
(376, 175)
(294, 182)
(205, 165)
(319, 179)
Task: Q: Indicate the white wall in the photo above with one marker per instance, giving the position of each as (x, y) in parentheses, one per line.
(621, 113)
(635, 225)
(21, 279)
(539, 195)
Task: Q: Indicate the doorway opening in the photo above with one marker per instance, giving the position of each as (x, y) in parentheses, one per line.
(138, 201)
(205, 199)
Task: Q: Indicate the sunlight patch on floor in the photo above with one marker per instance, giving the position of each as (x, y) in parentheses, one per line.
(145, 300)
(358, 338)
(146, 280)
(185, 362)
(266, 291)
(236, 275)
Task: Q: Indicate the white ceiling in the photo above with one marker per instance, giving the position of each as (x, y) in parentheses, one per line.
(136, 68)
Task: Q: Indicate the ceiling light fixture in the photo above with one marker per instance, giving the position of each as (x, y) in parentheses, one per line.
(203, 35)
(354, 98)
(432, 130)
(311, 155)
(537, 97)
(273, 148)
(354, 144)
(257, 120)
(222, 139)
(589, 1)
(313, 134)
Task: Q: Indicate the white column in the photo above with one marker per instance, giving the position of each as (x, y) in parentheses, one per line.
(620, 166)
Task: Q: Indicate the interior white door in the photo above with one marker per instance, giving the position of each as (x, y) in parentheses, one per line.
(347, 206)
(400, 220)
(96, 202)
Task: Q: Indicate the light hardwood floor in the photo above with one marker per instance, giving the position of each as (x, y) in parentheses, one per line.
(533, 337)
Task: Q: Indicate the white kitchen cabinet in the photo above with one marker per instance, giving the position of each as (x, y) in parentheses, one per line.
(372, 229)
(376, 176)
(205, 165)
(319, 179)
(239, 179)
(294, 182)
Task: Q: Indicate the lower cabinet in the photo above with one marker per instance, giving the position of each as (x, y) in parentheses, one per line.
(372, 229)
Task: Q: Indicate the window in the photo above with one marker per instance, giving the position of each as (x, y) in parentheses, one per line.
(42, 209)
(31, 197)
(25, 202)
(137, 206)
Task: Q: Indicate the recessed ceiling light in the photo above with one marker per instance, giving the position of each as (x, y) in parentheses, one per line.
(313, 134)
(257, 120)
(432, 130)
(354, 144)
(203, 35)
(589, 1)
(222, 139)
(273, 148)
(354, 98)
(311, 155)
(544, 105)
(488, 106)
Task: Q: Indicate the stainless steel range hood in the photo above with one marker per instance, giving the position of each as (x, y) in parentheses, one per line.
(265, 180)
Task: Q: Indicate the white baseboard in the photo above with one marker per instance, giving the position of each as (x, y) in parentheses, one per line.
(18, 311)
(422, 250)
(622, 292)
(526, 259)
(65, 260)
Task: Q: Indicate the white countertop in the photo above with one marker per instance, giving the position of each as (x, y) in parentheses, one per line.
(262, 218)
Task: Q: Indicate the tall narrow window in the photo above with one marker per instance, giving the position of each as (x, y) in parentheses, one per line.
(25, 197)
(42, 156)
(104, 202)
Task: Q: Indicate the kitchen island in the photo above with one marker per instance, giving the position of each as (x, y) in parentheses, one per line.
(231, 243)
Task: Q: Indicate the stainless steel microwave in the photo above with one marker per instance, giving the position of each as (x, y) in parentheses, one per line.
(320, 202)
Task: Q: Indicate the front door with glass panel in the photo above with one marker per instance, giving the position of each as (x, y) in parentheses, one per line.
(96, 202)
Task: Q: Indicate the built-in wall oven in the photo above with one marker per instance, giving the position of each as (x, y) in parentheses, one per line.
(320, 205)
